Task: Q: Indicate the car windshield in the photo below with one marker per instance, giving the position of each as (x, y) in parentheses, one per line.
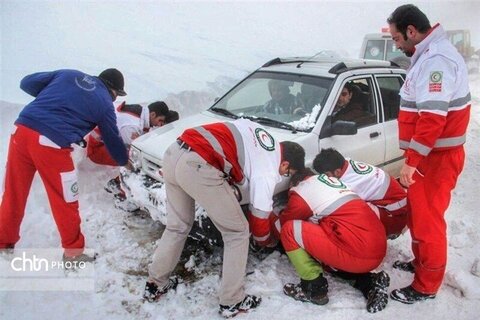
(288, 101)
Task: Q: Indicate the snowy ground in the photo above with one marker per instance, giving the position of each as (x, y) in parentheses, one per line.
(125, 245)
(187, 54)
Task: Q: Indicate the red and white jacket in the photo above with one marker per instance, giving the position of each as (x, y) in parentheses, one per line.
(130, 125)
(249, 156)
(375, 186)
(347, 220)
(435, 99)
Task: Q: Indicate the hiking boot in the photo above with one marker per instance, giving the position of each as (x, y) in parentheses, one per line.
(409, 295)
(152, 293)
(404, 266)
(113, 186)
(248, 303)
(314, 291)
(377, 297)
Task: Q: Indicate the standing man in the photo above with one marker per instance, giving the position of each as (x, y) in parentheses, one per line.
(200, 166)
(433, 120)
(68, 104)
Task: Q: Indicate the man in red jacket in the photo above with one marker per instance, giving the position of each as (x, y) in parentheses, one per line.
(433, 118)
(201, 166)
(387, 197)
(326, 222)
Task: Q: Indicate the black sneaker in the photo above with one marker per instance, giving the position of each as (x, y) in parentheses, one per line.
(248, 303)
(152, 293)
(314, 291)
(409, 295)
(377, 298)
(404, 266)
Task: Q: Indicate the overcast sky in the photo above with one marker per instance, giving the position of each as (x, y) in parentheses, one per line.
(165, 47)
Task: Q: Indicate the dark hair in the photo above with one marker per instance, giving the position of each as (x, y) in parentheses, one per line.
(407, 15)
(160, 108)
(300, 175)
(328, 160)
(294, 154)
(172, 116)
(349, 87)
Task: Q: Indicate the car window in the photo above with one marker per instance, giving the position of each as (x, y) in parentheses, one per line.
(375, 49)
(392, 51)
(355, 103)
(389, 90)
(286, 98)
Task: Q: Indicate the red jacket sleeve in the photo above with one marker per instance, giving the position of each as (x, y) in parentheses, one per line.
(297, 209)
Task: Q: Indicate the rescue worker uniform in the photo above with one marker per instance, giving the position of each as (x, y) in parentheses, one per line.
(433, 118)
(200, 167)
(387, 197)
(132, 121)
(68, 104)
(325, 220)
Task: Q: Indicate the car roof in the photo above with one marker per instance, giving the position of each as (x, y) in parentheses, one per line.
(327, 67)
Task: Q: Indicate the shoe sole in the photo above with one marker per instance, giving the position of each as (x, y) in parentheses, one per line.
(322, 302)
(402, 300)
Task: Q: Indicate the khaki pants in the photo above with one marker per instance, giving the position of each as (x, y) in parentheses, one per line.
(189, 178)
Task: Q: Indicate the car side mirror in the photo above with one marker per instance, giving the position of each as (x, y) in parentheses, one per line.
(338, 128)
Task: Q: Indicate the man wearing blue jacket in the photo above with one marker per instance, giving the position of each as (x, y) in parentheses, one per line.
(68, 104)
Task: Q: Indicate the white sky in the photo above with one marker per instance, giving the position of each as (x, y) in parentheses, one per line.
(166, 47)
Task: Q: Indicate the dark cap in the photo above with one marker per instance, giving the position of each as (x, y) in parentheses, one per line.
(113, 79)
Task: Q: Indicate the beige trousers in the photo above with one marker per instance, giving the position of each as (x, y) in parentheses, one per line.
(189, 178)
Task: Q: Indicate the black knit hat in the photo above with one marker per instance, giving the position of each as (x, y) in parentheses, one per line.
(113, 79)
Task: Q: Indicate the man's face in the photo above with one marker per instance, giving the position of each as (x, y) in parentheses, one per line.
(344, 99)
(407, 46)
(156, 121)
(277, 92)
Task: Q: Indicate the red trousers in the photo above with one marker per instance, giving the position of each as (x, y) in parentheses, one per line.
(98, 153)
(394, 223)
(429, 198)
(28, 153)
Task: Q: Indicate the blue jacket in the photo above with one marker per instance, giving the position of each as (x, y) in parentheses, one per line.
(69, 104)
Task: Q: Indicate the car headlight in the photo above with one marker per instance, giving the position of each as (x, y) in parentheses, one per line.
(135, 158)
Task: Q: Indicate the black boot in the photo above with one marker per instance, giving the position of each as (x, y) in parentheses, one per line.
(404, 266)
(409, 295)
(314, 291)
(374, 288)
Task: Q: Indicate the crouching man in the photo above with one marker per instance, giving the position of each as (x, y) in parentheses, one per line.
(326, 222)
(200, 166)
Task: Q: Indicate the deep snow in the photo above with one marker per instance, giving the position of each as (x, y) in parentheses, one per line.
(177, 51)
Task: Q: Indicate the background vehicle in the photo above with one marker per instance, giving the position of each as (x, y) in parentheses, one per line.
(380, 46)
(315, 86)
(461, 40)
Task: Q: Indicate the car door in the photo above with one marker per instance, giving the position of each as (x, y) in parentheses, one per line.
(389, 101)
(368, 144)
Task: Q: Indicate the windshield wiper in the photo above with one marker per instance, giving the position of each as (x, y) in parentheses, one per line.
(225, 112)
(272, 122)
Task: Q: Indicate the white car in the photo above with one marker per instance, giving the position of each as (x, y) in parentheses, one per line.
(312, 86)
